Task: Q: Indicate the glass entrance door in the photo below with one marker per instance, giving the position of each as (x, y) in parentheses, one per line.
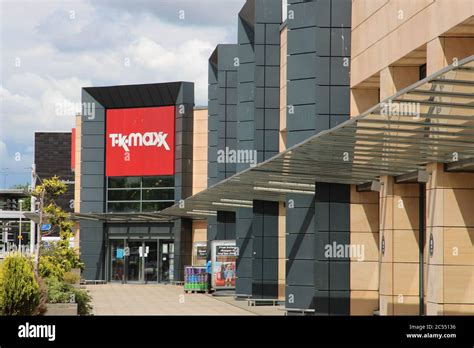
(166, 261)
(150, 257)
(134, 261)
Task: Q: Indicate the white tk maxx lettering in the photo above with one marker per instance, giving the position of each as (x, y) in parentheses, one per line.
(124, 141)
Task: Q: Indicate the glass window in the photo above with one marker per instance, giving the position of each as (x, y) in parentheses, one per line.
(158, 181)
(125, 207)
(158, 194)
(124, 182)
(155, 206)
(124, 195)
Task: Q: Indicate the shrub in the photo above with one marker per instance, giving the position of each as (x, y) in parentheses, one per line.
(49, 267)
(83, 300)
(62, 292)
(19, 290)
(71, 278)
(58, 291)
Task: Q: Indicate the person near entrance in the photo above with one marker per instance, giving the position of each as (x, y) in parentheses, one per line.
(209, 276)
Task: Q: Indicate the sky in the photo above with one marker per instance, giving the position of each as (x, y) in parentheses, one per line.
(49, 50)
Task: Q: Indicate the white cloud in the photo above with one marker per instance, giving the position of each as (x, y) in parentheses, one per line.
(60, 55)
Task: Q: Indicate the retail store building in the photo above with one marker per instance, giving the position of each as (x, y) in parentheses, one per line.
(336, 206)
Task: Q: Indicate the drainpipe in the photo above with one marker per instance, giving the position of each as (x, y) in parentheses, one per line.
(422, 227)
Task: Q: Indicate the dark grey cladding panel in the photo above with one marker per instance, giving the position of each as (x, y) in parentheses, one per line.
(154, 94)
(303, 40)
(321, 273)
(246, 93)
(300, 272)
(99, 110)
(300, 246)
(268, 11)
(339, 93)
(213, 106)
(303, 119)
(267, 55)
(301, 91)
(299, 201)
(269, 269)
(341, 42)
(257, 269)
(337, 119)
(339, 70)
(300, 220)
(323, 70)
(245, 32)
(322, 240)
(321, 302)
(245, 246)
(323, 41)
(303, 66)
(246, 53)
(339, 218)
(226, 55)
(243, 286)
(294, 137)
(212, 73)
(92, 181)
(212, 91)
(298, 296)
(92, 252)
(93, 128)
(92, 207)
(246, 72)
(232, 79)
(322, 216)
(302, 15)
(272, 34)
(91, 194)
(244, 267)
(247, 13)
(185, 94)
(339, 302)
(268, 76)
(341, 13)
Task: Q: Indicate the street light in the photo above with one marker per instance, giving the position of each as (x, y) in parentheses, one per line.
(20, 237)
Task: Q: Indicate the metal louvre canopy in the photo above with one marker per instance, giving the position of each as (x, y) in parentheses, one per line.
(429, 121)
(121, 217)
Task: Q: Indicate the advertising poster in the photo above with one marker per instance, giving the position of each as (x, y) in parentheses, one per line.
(224, 256)
(199, 253)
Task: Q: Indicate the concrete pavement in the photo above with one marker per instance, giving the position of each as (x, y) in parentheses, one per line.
(161, 299)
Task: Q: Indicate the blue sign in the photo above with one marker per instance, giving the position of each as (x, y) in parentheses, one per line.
(45, 227)
(120, 253)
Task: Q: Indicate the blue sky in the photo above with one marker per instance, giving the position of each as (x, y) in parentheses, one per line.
(50, 49)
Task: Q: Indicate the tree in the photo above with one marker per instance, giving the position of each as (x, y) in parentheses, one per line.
(62, 255)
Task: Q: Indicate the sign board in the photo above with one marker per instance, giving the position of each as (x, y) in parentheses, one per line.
(223, 257)
(45, 227)
(201, 252)
(126, 251)
(226, 250)
(120, 253)
(140, 141)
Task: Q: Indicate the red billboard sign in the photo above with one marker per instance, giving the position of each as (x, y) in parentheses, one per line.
(140, 141)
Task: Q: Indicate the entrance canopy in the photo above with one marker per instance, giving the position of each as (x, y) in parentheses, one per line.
(122, 217)
(429, 121)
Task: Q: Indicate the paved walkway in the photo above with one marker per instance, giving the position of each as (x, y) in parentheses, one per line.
(160, 299)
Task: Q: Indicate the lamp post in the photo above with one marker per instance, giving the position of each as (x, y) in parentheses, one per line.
(20, 237)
